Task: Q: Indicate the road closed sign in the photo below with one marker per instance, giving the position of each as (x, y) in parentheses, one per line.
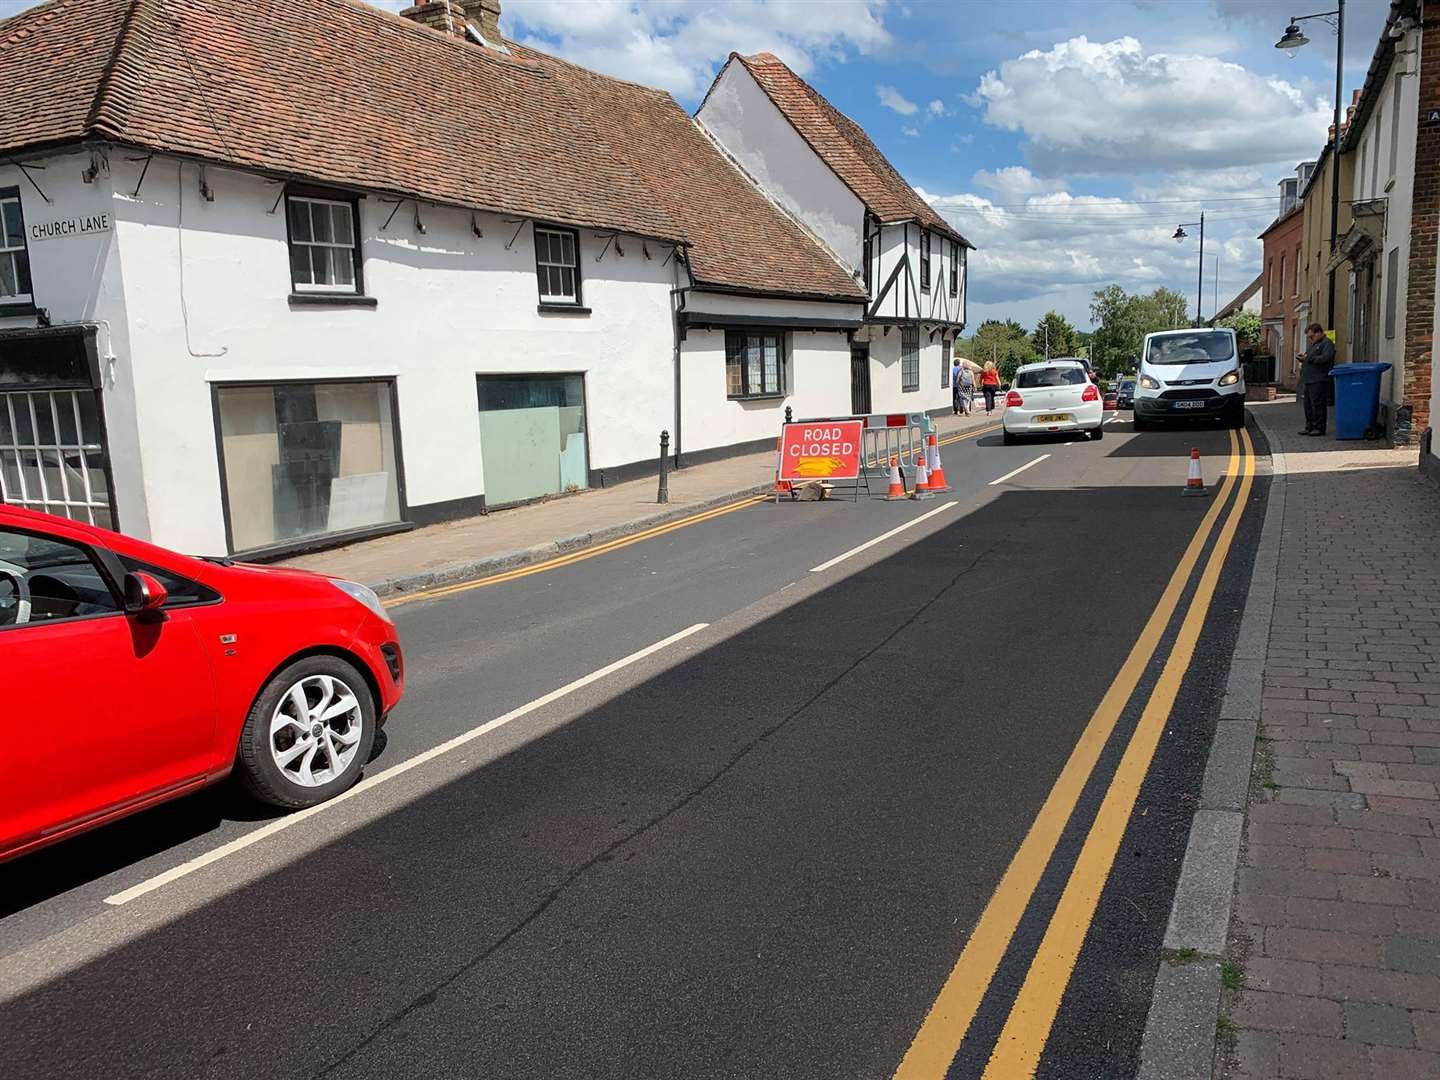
(823, 450)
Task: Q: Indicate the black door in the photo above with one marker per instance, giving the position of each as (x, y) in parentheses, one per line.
(860, 380)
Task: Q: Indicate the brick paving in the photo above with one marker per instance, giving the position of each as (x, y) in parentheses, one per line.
(1337, 916)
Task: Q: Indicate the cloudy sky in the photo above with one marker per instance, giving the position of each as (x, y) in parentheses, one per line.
(1065, 138)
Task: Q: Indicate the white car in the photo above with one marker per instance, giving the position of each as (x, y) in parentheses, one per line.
(1053, 397)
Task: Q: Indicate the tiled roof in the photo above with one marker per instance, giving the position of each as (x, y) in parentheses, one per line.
(332, 90)
(843, 145)
(738, 237)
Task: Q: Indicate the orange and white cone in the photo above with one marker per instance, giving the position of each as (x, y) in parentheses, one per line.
(922, 479)
(1194, 483)
(897, 486)
(937, 471)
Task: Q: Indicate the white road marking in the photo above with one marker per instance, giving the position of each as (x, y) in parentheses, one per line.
(279, 824)
(1017, 472)
(1112, 419)
(882, 537)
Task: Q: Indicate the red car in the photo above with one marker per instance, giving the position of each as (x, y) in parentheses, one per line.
(134, 675)
(1111, 401)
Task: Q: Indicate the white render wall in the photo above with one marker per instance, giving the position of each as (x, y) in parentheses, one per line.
(886, 393)
(740, 116)
(438, 323)
(79, 278)
(905, 299)
(817, 377)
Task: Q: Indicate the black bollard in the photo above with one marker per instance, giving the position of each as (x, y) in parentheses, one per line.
(663, 495)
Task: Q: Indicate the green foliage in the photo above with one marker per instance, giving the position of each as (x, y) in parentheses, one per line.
(1246, 325)
(1054, 336)
(1232, 975)
(1006, 343)
(1124, 320)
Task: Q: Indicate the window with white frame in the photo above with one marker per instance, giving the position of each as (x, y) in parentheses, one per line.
(15, 287)
(924, 260)
(754, 363)
(324, 244)
(557, 265)
(909, 359)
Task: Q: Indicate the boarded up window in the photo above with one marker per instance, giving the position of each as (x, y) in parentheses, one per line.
(1392, 281)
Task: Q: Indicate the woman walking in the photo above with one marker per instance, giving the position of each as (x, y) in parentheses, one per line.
(989, 384)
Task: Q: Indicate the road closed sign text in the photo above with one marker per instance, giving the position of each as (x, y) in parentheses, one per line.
(824, 450)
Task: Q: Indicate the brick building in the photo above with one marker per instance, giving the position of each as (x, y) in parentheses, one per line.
(1280, 283)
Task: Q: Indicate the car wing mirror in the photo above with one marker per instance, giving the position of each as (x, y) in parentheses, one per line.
(143, 594)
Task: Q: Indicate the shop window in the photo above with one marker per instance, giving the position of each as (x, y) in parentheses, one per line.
(324, 245)
(909, 359)
(557, 265)
(754, 364)
(532, 436)
(15, 287)
(303, 460)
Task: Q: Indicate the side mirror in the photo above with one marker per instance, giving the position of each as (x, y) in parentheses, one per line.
(143, 594)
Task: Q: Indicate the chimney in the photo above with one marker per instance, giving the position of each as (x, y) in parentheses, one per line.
(447, 16)
(452, 17)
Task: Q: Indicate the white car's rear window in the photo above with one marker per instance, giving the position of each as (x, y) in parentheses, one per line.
(1050, 376)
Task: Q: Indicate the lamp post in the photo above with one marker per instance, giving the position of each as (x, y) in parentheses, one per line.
(1179, 238)
(1293, 39)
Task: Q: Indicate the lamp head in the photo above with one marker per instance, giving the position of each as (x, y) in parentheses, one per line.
(1180, 234)
(1292, 38)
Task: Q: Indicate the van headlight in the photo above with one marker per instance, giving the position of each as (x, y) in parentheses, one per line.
(1148, 383)
(1230, 378)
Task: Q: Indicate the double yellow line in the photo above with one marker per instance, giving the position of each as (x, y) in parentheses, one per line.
(612, 545)
(1027, 1028)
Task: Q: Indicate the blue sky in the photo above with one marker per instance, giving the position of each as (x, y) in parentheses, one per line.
(1065, 138)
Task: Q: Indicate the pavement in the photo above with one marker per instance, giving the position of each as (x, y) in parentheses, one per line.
(798, 790)
(506, 539)
(1324, 961)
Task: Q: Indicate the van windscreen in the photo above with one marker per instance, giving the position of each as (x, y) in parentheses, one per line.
(1202, 347)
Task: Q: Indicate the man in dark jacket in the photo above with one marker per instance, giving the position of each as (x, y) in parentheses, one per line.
(1315, 366)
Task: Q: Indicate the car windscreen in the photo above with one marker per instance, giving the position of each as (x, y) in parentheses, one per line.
(1050, 376)
(1128, 384)
(1197, 348)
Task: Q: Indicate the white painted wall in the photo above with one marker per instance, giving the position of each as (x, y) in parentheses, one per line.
(79, 278)
(906, 299)
(817, 376)
(708, 303)
(886, 393)
(740, 116)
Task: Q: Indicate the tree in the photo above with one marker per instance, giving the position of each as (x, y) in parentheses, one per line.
(1005, 343)
(1124, 320)
(1246, 325)
(1054, 336)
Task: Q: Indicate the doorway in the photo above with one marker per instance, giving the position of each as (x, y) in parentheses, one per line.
(859, 380)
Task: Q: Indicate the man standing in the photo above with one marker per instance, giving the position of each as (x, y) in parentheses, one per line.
(1315, 365)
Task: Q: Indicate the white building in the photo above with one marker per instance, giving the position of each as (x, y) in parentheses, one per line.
(280, 272)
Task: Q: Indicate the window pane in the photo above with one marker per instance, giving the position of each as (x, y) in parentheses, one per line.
(322, 263)
(20, 411)
(14, 235)
(89, 417)
(299, 220)
(8, 284)
(344, 262)
(567, 282)
(300, 265)
(22, 272)
(340, 215)
(734, 382)
(320, 220)
(567, 249)
(772, 366)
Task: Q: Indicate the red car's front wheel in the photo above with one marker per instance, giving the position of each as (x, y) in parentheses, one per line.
(308, 734)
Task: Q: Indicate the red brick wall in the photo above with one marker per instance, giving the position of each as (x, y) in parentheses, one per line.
(1424, 230)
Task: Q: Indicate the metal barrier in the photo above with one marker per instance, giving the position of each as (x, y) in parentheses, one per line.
(902, 436)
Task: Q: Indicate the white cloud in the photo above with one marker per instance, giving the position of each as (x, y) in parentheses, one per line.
(936, 108)
(1101, 107)
(679, 44)
(910, 131)
(1015, 183)
(893, 99)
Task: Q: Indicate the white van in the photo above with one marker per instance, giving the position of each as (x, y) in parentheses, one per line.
(1190, 375)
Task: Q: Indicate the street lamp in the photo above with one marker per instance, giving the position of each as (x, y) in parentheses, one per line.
(1179, 238)
(1293, 39)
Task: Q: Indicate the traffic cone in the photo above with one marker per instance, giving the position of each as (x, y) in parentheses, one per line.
(922, 479)
(1194, 484)
(937, 471)
(897, 486)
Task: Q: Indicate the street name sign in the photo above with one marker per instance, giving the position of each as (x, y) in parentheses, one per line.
(821, 450)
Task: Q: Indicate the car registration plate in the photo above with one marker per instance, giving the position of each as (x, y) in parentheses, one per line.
(1189, 404)
(1052, 418)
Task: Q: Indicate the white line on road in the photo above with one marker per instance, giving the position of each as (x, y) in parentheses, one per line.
(881, 538)
(1017, 472)
(242, 842)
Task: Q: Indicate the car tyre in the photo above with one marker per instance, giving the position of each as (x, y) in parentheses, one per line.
(277, 736)
(1098, 431)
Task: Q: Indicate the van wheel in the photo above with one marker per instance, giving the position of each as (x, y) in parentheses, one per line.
(308, 734)
(1141, 423)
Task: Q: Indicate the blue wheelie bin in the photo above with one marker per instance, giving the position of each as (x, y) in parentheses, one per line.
(1357, 398)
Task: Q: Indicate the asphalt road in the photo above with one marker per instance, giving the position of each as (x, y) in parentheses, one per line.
(755, 852)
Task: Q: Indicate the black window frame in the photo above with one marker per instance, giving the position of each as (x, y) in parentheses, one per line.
(947, 359)
(19, 304)
(924, 260)
(735, 343)
(578, 304)
(308, 292)
(954, 268)
(909, 360)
